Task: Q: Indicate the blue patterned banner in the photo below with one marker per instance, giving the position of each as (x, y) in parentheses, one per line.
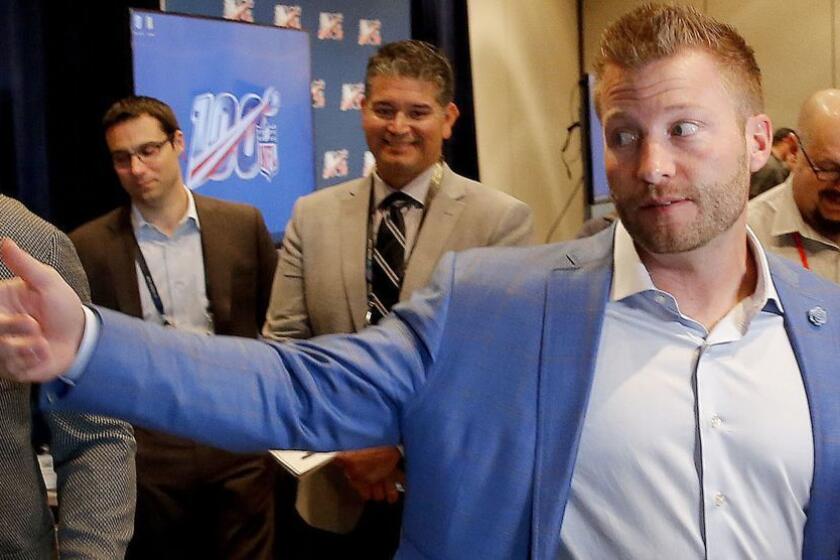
(242, 97)
(344, 34)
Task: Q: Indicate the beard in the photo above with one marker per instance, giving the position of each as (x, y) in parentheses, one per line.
(829, 227)
(718, 205)
(826, 226)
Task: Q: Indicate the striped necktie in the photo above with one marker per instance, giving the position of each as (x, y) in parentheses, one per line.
(388, 264)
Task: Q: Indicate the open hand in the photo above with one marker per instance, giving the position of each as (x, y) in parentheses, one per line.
(41, 319)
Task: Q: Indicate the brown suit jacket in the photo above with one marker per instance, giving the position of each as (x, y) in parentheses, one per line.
(239, 263)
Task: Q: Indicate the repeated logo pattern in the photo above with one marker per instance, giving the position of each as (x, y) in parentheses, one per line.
(343, 35)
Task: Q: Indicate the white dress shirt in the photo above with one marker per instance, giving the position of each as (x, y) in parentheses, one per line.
(696, 444)
(418, 190)
(176, 263)
(774, 218)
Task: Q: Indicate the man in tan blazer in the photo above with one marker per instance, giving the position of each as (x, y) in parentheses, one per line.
(209, 265)
(323, 282)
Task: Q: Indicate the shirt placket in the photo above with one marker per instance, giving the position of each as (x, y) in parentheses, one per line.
(713, 441)
(712, 496)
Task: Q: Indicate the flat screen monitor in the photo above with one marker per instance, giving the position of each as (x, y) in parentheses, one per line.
(596, 176)
(241, 95)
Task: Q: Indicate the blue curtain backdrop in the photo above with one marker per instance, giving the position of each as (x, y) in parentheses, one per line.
(22, 120)
(64, 62)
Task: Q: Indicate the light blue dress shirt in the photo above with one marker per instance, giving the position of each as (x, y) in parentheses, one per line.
(696, 444)
(176, 263)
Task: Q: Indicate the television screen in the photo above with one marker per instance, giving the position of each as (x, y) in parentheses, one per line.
(242, 98)
(596, 175)
(343, 35)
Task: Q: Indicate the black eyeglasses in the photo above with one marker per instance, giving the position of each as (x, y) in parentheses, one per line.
(144, 152)
(827, 175)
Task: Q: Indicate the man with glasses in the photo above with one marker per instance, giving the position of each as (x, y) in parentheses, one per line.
(777, 168)
(800, 218)
(195, 263)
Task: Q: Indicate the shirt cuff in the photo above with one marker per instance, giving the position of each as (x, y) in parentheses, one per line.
(90, 336)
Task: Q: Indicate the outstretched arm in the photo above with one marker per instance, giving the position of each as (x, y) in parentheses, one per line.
(335, 392)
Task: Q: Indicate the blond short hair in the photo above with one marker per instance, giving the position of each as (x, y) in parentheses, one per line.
(654, 31)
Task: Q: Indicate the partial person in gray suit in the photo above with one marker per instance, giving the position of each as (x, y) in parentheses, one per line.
(327, 268)
(93, 456)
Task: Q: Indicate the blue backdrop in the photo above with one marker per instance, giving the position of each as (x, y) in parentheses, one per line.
(344, 34)
(55, 159)
(242, 97)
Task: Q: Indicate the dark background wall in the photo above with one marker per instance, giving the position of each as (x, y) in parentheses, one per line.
(445, 23)
(66, 61)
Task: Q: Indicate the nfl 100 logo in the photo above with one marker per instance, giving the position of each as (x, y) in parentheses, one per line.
(233, 135)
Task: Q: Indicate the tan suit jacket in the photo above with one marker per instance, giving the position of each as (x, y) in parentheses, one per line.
(320, 284)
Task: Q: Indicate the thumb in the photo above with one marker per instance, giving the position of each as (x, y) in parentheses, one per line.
(32, 271)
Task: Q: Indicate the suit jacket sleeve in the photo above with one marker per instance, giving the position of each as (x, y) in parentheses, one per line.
(333, 392)
(287, 315)
(94, 461)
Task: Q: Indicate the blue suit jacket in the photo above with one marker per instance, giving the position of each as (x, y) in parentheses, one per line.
(484, 377)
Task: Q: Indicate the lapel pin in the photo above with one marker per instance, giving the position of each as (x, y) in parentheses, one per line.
(817, 316)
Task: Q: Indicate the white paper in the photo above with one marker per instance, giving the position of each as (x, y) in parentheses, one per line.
(300, 463)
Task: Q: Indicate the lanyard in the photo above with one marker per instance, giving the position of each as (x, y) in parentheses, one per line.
(150, 284)
(434, 186)
(803, 256)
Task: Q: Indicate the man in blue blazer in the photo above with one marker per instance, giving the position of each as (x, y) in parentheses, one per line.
(663, 389)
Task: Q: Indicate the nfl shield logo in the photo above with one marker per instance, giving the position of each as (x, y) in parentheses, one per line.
(268, 159)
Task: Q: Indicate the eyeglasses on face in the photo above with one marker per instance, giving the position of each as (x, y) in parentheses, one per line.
(827, 175)
(144, 152)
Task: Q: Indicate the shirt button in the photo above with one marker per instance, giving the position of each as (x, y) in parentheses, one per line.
(716, 421)
(660, 299)
(720, 499)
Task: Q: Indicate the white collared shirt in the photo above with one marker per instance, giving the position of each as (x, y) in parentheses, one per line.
(775, 217)
(695, 444)
(418, 190)
(176, 263)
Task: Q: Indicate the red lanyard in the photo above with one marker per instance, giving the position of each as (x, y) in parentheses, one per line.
(803, 256)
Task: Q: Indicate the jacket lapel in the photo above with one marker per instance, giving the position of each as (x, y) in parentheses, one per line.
(574, 312)
(814, 346)
(214, 249)
(353, 224)
(121, 263)
(444, 209)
